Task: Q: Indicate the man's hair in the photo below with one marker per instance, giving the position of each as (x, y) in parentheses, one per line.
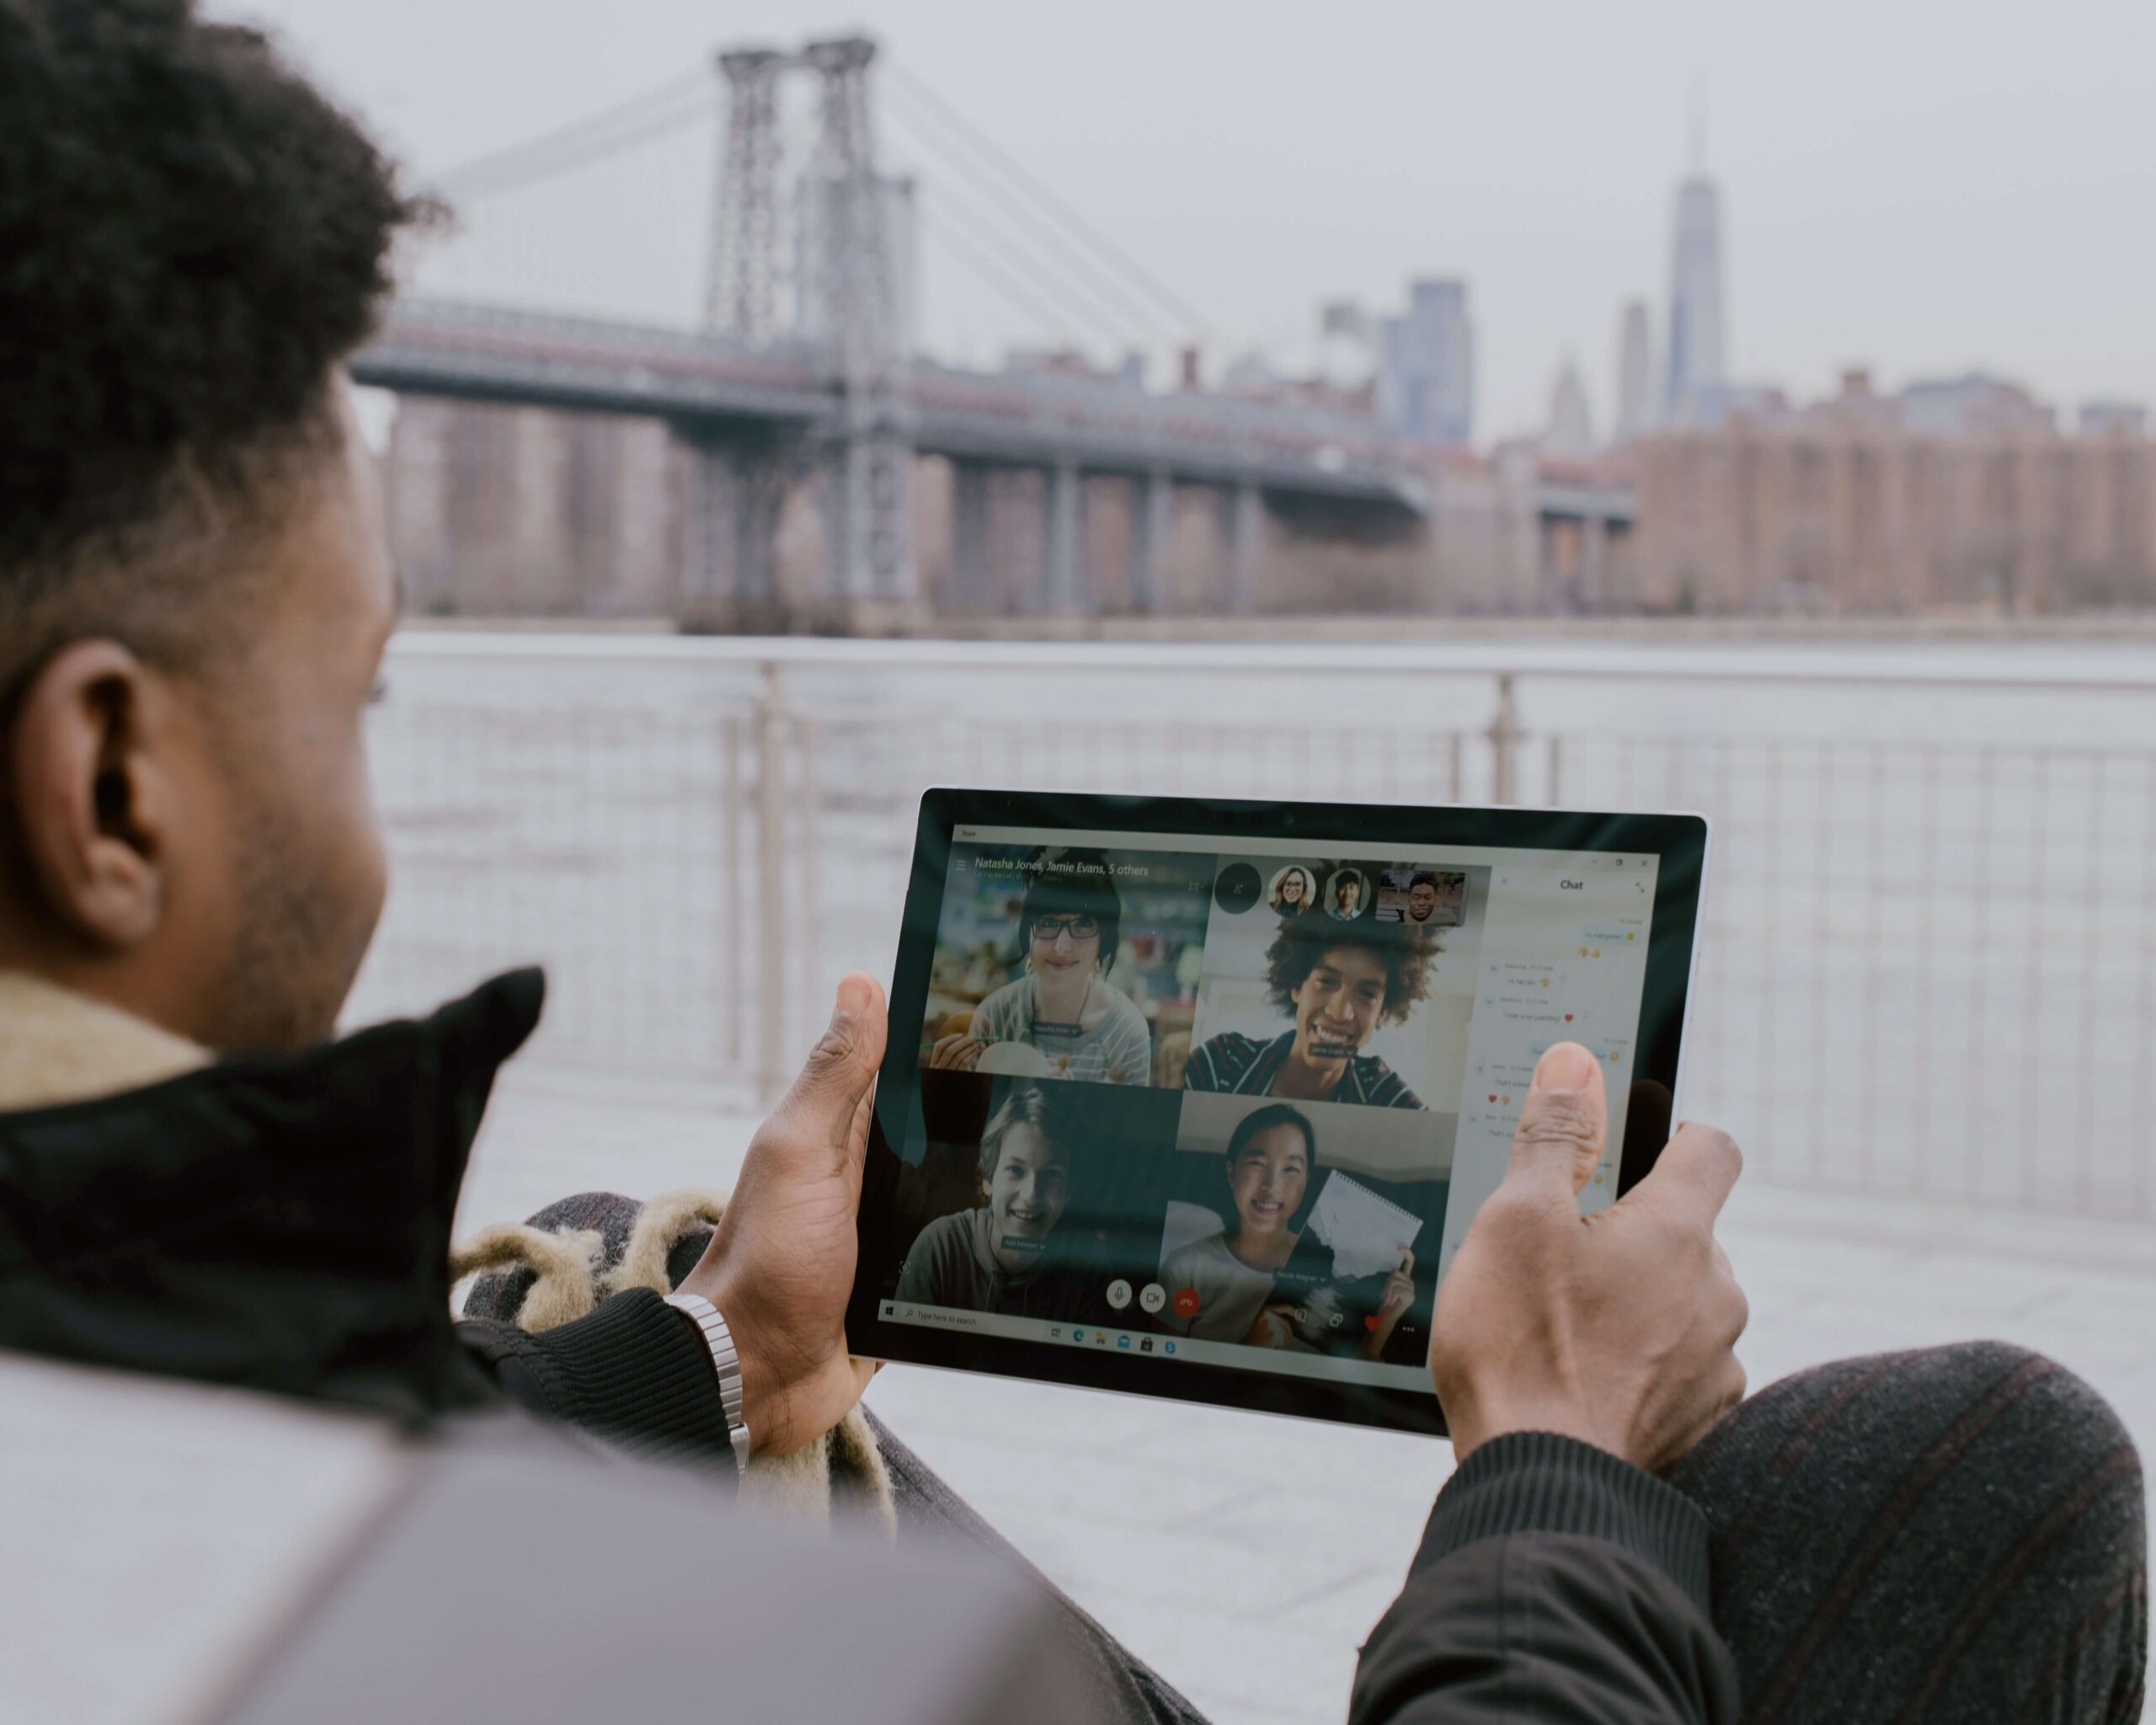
(1404, 949)
(191, 237)
(1072, 884)
(1424, 877)
(1257, 1120)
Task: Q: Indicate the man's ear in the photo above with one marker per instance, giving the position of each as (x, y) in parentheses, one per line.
(94, 797)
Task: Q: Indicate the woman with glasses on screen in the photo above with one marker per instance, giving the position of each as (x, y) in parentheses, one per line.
(1293, 891)
(1062, 1018)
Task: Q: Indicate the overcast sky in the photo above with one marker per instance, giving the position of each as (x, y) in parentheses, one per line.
(1922, 187)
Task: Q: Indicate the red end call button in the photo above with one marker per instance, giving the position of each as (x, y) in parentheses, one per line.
(1186, 1302)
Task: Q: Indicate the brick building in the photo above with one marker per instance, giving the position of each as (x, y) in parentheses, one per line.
(1953, 497)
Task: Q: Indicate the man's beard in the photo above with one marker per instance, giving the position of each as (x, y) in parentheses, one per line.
(296, 951)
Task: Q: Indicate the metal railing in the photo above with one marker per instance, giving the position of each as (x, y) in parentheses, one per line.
(1930, 953)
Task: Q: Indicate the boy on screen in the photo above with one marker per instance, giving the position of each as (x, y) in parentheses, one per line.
(1000, 1255)
(1337, 982)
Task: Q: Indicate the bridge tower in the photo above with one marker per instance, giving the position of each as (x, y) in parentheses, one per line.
(741, 283)
(869, 518)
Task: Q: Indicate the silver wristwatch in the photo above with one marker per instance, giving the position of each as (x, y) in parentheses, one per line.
(724, 1360)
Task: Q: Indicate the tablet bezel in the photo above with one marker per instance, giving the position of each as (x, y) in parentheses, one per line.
(1678, 841)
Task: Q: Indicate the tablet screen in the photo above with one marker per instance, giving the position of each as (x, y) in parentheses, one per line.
(1224, 1101)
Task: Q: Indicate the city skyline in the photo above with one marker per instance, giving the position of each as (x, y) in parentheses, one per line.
(1869, 193)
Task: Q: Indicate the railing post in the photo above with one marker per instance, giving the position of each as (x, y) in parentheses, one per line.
(1504, 734)
(775, 1021)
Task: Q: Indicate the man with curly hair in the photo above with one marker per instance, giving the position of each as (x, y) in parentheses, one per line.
(196, 1182)
(1338, 982)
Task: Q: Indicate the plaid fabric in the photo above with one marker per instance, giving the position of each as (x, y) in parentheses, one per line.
(1956, 1533)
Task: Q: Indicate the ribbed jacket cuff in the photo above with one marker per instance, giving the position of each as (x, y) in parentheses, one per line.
(636, 1372)
(1539, 1483)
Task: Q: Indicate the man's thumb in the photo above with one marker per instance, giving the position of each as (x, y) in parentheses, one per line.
(843, 1063)
(1562, 1122)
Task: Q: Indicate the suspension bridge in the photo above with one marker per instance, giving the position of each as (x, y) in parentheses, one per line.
(801, 381)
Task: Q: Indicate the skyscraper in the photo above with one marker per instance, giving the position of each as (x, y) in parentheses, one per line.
(1426, 376)
(1695, 302)
(1635, 402)
(1570, 430)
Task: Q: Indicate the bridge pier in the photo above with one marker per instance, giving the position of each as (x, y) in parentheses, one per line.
(729, 563)
(1595, 536)
(1152, 519)
(1244, 526)
(972, 576)
(868, 519)
(1063, 545)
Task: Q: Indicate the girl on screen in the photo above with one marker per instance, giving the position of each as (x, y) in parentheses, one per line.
(1001, 1256)
(1273, 1180)
(1062, 1018)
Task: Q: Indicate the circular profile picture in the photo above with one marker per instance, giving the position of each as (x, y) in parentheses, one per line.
(1293, 890)
(1345, 893)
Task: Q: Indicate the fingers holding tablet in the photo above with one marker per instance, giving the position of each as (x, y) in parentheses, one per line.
(1618, 1328)
(1564, 1121)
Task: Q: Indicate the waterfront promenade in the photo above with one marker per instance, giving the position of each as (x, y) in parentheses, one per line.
(1927, 1005)
(1247, 1554)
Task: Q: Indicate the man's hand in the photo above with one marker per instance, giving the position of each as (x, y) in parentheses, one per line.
(780, 1268)
(1616, 1328)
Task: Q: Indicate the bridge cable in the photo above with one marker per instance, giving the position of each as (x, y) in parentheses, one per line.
(624, 126)
(1073, 319)
(1072, 264)
(903, 80)
(1081, 308)
(983, 262)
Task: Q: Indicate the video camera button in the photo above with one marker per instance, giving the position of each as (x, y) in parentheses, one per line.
(1152, 1296)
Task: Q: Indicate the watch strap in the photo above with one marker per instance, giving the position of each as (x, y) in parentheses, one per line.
(726, 1362)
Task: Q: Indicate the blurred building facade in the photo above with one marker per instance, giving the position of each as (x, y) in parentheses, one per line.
(1959, 495)
(1426, 366)
(1949, 497)
(1635, 392)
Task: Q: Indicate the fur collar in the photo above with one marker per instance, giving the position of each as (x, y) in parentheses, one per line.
(57, 1046)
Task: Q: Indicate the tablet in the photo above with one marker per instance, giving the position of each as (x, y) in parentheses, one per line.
(1196, 1097)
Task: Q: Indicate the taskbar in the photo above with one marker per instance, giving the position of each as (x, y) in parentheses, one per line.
(1146, 1344)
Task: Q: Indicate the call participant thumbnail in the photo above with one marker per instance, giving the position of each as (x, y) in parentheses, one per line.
(1057, 961)
(1345, 894)
(1298, 1228)
(1429, 898)
(1027, 1189)
(1293, 891)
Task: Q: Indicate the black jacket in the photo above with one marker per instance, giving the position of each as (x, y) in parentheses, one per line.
(283, 1224)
